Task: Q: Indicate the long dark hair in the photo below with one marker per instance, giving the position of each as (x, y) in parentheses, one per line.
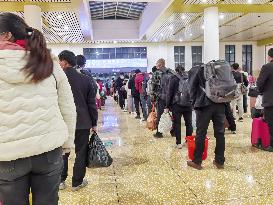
(39, 61)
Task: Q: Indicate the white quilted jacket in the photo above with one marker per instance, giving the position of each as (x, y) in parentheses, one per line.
(34, 118)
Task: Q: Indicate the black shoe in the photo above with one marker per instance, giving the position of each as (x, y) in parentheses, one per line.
(194, 165)
(172, 133)
(158, 135)
(138, 117)
(219, 166)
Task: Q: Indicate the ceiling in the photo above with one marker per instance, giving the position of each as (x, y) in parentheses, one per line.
(173, 25)
(116, 10)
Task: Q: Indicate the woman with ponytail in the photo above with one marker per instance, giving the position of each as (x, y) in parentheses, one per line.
(37, 116)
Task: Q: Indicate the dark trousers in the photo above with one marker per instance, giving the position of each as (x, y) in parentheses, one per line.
(216, 113)
(121, 99)
(81, 149)
(160, 106)
(144, 103)
(230, 118)
(40, 173)
(178, 112)
(137, 103)
(268, 114)
(245, 103)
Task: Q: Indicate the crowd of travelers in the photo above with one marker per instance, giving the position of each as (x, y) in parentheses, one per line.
(49, 108)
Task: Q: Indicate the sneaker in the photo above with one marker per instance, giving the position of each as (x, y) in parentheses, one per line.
(194, 165)
(233, 132)
(144, 120)
(82, 185)
(219, 166)
(269, 149)
(62, 186)
(241, 119)
(158, 135)
(138, 117)
(179, 146)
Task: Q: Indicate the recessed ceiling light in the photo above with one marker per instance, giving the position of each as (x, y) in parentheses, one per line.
(249, 1)
(133, 42)
(47, 41)
(183, 17)
(221, 16)
(115, 42)
(66, 27)
(203, 27)
(161, 34)
(171, 27)
(190, 34)
(180, 39)
(204, 1)
(60, 16)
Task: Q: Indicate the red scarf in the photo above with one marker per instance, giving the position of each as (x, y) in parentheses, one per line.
(21, 43)
(6, 45)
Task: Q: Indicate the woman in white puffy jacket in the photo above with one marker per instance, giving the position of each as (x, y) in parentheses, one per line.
(37, 116)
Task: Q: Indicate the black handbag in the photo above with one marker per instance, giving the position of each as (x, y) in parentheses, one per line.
(253, 92)
(256, 113)
(98, 156)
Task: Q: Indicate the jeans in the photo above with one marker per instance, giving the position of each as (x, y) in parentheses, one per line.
(40, 173)
(149, 104)
(178, 112)
(160, 106)
(230, 118)
(268, 113)
(137, 103)
(216, 113)
(144, 103)
(239, 103)
(81, 149)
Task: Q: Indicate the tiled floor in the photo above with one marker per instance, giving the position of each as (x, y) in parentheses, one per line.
(152, 171)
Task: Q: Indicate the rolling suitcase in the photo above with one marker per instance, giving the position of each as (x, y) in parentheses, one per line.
(260, 136)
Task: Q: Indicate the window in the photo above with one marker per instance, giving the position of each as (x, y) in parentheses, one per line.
(247, 59)
(179, 56)
(230, 53)
(115, 53)
(196, 55)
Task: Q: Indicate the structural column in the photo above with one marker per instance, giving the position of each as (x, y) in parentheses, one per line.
(33, 16)
(211, 34)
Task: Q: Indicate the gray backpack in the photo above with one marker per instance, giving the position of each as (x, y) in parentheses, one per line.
(182, 96)
(220, 86)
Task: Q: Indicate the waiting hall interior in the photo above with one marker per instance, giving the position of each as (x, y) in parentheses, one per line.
(109, 117)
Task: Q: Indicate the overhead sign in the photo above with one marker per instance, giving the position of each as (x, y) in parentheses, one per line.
(117, 63)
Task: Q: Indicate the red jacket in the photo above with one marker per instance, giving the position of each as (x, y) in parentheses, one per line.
(138, 82)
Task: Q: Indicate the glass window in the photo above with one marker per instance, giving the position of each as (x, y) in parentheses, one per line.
(247, 58)
(230, 53)
(179, 56)
(196, 55)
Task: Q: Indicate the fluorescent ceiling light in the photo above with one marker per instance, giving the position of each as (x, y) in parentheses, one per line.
(221, 16)
(204, 1)
(249, 1)
(183, 17)
(60, 16)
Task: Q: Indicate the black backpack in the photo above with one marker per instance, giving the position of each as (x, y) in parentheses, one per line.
(164, 83)
(182, 96)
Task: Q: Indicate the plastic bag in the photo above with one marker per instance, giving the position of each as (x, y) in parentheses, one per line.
(165, 123)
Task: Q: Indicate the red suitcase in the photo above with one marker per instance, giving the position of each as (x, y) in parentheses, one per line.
(260, 133)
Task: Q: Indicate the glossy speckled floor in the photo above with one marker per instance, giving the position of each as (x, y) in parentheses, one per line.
(153, 171)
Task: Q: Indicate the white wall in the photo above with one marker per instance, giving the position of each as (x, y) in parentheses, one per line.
(166, 51)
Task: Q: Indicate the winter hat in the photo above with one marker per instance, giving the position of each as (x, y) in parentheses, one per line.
(137, 71)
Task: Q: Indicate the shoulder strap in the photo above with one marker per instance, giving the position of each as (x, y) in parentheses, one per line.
(55, 81)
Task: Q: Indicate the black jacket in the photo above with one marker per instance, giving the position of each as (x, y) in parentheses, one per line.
(173, 90)
(238, 78)
(197, 79)
(119, 83)
(84, 98)
(132, 87)
(265, 84)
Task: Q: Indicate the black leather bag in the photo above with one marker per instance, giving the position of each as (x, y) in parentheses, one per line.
(98, 156)
(253, 92)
